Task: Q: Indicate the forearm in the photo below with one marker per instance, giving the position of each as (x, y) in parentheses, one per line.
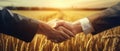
(18, 26)
(105, 20)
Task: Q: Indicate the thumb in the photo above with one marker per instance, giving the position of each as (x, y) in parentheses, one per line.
(52, 23)
(58, 24)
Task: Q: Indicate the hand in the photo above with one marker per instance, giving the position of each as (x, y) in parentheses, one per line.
(73, 27)
(56, 35)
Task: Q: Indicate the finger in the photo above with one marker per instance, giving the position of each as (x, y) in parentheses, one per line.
(58, 38)
(56, 41)
(68, 32)
(63, 33)
(68, 26)
(52, 40)
(62, 36)
(60, 23)
(65, 36)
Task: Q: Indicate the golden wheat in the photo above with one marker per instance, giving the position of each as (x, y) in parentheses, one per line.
(106, 41)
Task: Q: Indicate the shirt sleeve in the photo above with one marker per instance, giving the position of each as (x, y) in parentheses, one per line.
(17, 26)
(86, 25)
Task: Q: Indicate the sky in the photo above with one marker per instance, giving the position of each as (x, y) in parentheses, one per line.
(60, 3)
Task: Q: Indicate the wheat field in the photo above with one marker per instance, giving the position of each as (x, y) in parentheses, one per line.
(108, 40)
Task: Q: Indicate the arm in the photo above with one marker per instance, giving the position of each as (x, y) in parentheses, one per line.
(105, 20)
(25, 28)
(17, 25)
(95, 23)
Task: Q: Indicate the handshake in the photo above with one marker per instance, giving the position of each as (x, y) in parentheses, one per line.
(61, 32)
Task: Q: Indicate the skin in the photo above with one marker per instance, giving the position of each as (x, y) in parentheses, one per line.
(56, 35)
(74, 27)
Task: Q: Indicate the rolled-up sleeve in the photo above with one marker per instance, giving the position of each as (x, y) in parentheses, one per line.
(18, 26)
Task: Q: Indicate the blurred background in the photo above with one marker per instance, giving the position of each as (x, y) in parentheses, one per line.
(68, 10)
(58, 3)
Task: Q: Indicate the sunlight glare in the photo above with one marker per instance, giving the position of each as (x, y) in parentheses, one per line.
(60, 4)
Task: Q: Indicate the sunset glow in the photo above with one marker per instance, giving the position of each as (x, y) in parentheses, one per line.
(59, 3)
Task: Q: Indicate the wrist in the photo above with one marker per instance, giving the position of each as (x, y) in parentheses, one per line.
(77, 28)
(41, 27)
(44, 28)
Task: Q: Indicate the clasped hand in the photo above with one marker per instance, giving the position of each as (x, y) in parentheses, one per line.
(61, 32)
